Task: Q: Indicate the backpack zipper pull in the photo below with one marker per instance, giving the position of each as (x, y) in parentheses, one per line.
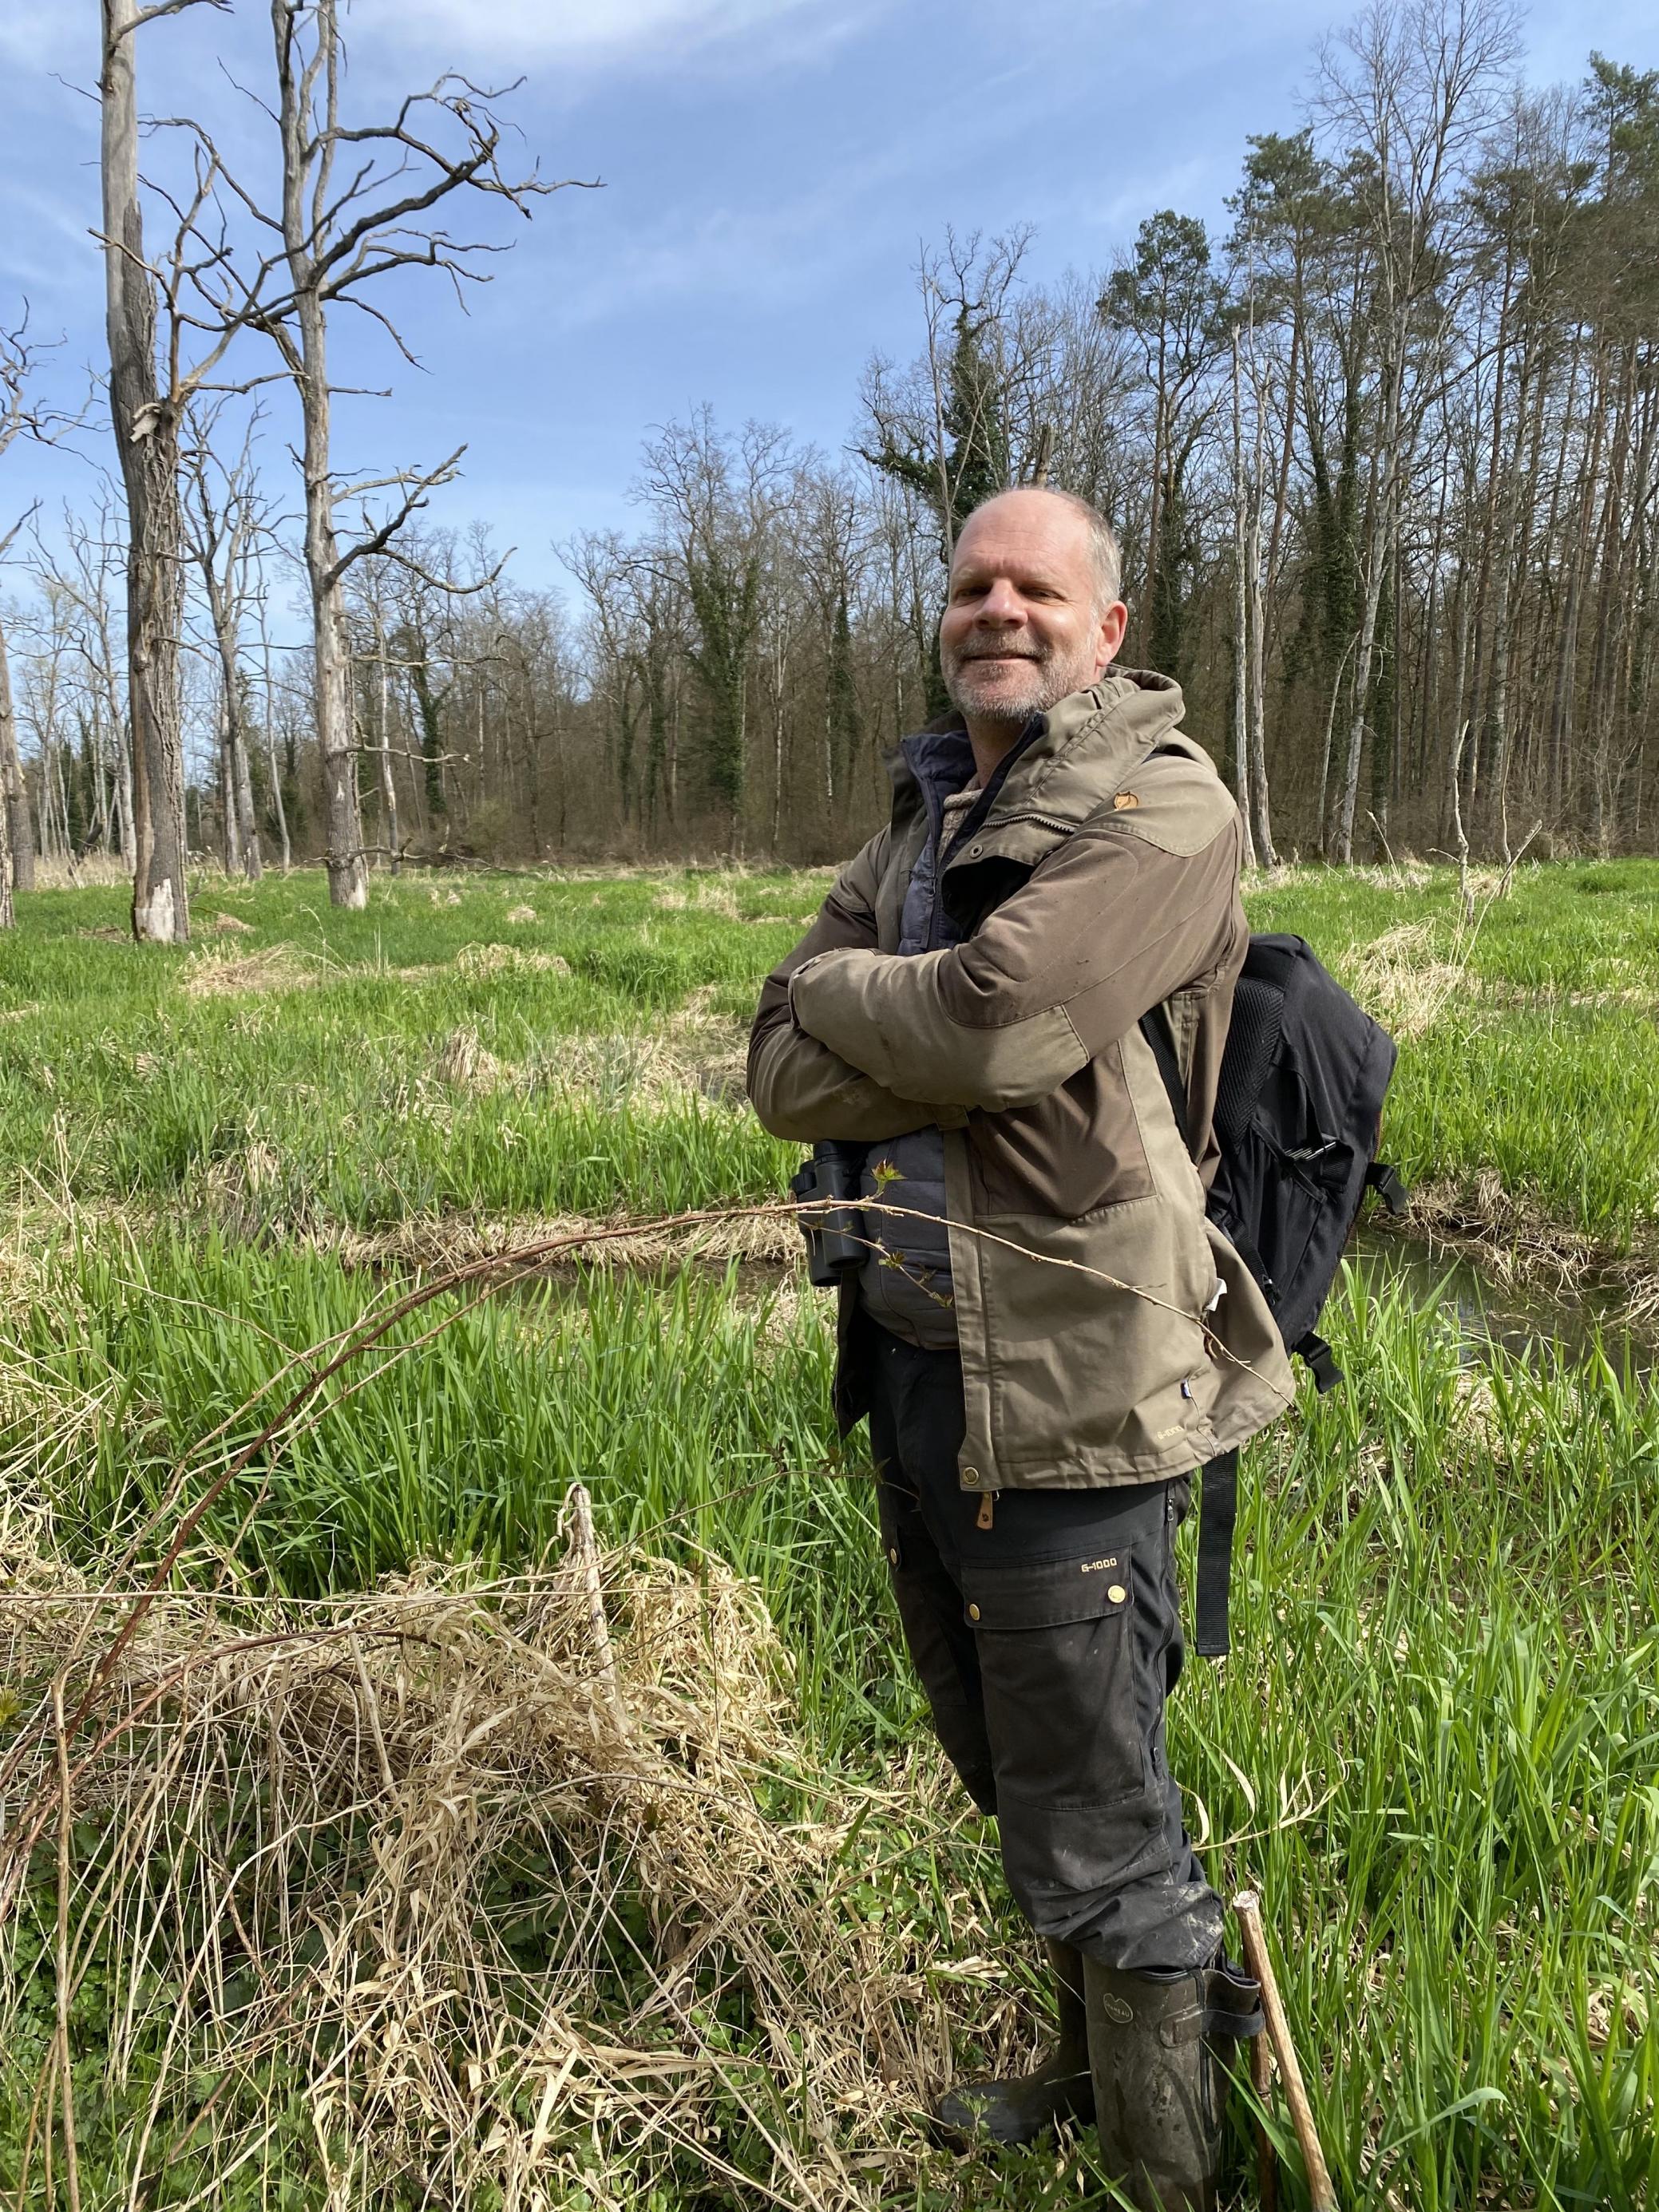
(988, 1506)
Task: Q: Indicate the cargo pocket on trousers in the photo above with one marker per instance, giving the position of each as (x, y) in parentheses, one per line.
(1057, 1669)
(941, 1647)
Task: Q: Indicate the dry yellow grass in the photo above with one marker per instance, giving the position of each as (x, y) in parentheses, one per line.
(1397, 979)
(477, 961)
(439, 1243)
(224, 973)
(621, 1724)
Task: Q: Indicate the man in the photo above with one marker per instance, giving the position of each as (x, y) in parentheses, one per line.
(1049, 1336)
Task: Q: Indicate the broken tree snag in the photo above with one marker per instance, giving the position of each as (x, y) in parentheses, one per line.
(585, 1550)
(147, 445)
(1247, 1907)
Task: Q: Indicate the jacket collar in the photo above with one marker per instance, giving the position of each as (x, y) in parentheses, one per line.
(1066, 766)
(1076, 764)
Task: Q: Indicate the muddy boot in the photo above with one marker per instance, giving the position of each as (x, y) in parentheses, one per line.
(1161, 2049)
(1019, 2110)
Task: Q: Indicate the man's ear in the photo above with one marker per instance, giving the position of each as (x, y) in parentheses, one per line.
(1113, 624)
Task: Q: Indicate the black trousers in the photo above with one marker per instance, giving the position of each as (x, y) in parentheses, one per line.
(1047, 1644)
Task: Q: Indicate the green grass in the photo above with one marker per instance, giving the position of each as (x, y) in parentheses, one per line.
(124, 1087)
(1435, 1747)
(117, 1086)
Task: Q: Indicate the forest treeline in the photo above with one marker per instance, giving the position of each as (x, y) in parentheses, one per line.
(1380, 449)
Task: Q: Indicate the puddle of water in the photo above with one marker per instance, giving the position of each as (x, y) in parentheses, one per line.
(1486, 1312)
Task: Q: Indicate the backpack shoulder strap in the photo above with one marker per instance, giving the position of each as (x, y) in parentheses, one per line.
(1217, 1496)
(1217, 1512)
(1155, 1028)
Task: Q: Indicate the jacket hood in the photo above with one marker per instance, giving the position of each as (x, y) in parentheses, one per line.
(1069, 766)
(1075, 764)
(1072, 758)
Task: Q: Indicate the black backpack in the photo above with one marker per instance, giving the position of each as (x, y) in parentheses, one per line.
(1298, 1118)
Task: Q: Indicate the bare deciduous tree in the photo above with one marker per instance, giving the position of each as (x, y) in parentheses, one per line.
(18, 418)
(228, 523)
(1410, 86)
(355, 204)
(78, 570)
(146, 444)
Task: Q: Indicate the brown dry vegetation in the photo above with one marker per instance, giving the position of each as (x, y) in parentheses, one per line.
(355, 1775)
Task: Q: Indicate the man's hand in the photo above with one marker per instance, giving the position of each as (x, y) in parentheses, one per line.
(801, 1088)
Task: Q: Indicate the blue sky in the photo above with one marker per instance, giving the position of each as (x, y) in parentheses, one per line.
(770, 167)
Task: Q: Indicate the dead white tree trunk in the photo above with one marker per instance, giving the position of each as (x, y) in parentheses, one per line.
(223, 528)
(337, 238)
(272, 769)
(344, 856)
(388, 780)
(16, 831)
(253, 865)
(231, 828)
(146, 444)
(18, 418)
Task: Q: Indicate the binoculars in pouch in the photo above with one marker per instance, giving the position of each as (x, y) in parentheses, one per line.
(836, 1240)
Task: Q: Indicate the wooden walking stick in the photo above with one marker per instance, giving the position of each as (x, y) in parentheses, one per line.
(1248, 1906)
(1266, 2161)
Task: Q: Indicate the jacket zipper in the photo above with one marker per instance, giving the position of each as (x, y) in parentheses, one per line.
(1042, 821)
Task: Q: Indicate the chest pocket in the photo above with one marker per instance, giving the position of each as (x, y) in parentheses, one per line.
(973, 890)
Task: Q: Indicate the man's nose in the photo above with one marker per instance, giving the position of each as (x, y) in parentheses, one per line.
(1002, 604)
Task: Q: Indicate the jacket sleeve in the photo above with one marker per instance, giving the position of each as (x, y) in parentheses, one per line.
(1107, 926)
(800, 1086)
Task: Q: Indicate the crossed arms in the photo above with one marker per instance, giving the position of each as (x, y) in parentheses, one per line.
(853, 1043)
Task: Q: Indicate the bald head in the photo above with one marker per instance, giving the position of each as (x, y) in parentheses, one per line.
(1104, 556)
(1032, 614)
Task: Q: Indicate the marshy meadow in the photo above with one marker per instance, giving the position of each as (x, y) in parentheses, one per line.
(376, 1835)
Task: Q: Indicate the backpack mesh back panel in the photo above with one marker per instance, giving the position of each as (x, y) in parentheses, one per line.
(1298, 1116)
(1297, 1120)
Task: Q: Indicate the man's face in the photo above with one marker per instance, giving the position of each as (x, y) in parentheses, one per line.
(1021, 630)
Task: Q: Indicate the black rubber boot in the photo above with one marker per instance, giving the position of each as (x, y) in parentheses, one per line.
(1020, 2110)
(1161, 2051)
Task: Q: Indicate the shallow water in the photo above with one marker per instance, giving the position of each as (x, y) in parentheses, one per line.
(1573, 1323)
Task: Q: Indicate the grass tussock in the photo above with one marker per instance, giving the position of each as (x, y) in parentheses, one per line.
(491, 1901)
(229, 973)
(477, 961)
(435, 1247)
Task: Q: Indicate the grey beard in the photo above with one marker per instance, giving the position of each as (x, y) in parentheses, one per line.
(1052, 684)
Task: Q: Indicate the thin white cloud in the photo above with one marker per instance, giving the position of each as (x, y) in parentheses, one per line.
(630, 34)
(47, 247)
(785, 249)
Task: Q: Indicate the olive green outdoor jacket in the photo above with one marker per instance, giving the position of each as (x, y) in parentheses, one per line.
(1108, 1332)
